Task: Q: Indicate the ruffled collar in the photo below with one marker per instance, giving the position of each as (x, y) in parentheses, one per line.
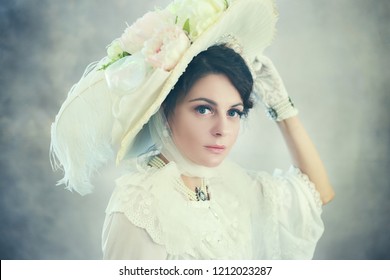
(215, 229)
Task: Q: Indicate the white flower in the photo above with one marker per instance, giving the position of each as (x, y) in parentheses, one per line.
(198, 15)
(134, 37)
(127, 74)
(166, 48)
(114, 50)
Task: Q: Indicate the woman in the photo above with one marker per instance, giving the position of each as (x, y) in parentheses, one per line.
(183, 199)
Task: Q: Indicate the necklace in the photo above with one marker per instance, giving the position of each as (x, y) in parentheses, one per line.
(201, 192)
(156, 162)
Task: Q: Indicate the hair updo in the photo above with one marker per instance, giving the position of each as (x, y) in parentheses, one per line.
(217, 59)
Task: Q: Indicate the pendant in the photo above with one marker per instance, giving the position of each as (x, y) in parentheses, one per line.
(200, 195)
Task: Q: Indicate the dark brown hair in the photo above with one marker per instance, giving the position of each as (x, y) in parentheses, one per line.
(218, 59)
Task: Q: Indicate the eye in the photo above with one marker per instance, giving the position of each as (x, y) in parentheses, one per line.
(203, 110)
(235, 113)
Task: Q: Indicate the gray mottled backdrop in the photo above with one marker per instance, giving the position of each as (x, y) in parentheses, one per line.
(333, 56)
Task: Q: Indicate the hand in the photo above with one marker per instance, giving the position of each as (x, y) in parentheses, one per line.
(269, 85)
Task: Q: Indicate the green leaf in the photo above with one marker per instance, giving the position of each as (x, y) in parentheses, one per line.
(226, 4)
(186, 26)
(105, 66)
(120, 56)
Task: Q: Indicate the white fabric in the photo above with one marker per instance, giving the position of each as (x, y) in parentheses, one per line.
(251, 215)
(269, 85)
(268, 82)
(119, 246)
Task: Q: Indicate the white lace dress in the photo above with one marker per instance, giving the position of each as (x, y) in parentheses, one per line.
(250, 215)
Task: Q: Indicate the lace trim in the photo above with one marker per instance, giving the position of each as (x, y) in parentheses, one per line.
(269, 207)
(212, 230)
(303, 247)
(136, 203)
(273, 200)
(201, 192)
(311, 186)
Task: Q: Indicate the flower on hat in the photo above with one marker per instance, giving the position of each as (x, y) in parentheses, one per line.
(163, 36)
(197, 15)
(165, 49)
(134, 37)
(115, 51)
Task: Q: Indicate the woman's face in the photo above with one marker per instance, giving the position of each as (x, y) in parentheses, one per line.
(205, 124)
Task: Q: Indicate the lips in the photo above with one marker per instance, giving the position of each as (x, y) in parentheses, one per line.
(216, 149)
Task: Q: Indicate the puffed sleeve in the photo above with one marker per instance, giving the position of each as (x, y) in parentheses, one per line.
(293, 210)
(123, 240)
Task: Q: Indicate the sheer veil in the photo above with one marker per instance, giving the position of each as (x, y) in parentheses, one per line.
(161, 135)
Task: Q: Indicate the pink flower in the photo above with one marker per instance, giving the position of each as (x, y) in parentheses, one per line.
(166, 48)
(134, 37)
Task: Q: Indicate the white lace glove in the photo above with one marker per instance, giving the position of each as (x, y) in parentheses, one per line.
(270, 87)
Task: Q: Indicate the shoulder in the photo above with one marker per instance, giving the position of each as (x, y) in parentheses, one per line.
(140, 195)
(137, 189)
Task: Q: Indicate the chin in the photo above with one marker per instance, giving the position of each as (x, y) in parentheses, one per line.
(211, 162)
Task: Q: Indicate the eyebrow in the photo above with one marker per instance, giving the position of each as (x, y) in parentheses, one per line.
(213, 102)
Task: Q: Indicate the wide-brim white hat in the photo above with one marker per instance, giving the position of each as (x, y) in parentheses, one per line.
(99, 121)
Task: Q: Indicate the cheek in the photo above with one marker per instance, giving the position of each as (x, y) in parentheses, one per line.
(235, 132)
(188, 131)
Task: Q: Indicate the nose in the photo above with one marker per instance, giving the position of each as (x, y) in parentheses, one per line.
(220, 126)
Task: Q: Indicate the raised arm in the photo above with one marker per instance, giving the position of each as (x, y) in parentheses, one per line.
(305, 156)
(281, 109)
